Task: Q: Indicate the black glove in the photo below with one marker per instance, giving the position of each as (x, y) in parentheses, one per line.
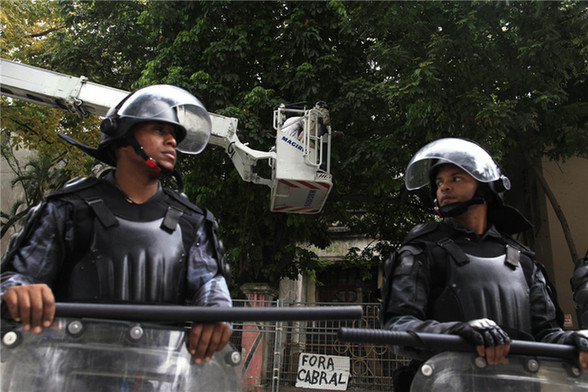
(481, 332)
(581, 340)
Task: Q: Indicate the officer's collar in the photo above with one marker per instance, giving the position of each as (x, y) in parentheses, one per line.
(122, 207)
(109, 176)
(491, 231)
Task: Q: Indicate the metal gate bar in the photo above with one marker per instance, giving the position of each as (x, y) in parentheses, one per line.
(371, 365)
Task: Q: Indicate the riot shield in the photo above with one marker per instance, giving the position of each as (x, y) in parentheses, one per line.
(451, 372)
(98, 355)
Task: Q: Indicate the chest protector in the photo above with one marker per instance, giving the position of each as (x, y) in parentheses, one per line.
(484, 287)
(124, 252)
(131, 262)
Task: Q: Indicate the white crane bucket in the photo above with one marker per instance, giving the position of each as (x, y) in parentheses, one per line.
(301, 172)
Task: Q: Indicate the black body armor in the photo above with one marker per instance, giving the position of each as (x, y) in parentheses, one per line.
(486, 287)
(148, 266)
(113, 250)
(443, 274)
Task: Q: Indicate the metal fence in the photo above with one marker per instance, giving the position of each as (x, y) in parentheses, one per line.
(271, 350)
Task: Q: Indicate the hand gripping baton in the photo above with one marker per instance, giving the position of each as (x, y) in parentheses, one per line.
(456, 343)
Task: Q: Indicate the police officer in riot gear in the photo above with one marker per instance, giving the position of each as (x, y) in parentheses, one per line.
(122, 237)
(465, 275)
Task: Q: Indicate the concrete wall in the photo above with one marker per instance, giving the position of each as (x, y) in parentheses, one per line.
(569, 182)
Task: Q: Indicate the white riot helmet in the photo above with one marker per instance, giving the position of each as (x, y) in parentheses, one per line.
(475, 161)
(465, 154)
(163, 103)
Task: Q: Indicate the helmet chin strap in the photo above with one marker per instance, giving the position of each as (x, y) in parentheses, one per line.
(152, 163)
(458, 208)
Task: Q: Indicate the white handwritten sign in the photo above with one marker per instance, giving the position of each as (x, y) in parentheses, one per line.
(326, 372)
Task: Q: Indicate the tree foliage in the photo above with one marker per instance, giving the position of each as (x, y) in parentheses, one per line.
(511, 76)
(28, 33)
(29, 30)
(37, 176)
(27, 27)
(396, 75)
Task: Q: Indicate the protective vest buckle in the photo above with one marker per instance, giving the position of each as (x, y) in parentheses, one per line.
(171, 219)
(512, 257)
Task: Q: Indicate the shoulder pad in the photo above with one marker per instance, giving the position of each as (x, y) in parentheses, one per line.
(183, 200)
(413, 250)
(580, 276)
(75, 185)
(421, 230)
(398, 255)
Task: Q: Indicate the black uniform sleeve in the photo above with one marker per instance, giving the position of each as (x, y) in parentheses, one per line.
(406, 292)
(207, 285)
(37, 252)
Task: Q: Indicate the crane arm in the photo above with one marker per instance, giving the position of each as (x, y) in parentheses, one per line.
(79, 96)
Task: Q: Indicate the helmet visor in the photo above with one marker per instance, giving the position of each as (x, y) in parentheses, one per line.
(172, 105)
(196, 121)
(465, 154)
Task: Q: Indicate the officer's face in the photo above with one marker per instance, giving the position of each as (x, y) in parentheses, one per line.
(454, 185)
(159, 142)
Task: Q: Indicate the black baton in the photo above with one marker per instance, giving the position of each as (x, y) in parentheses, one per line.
(456, 343)
(175, 313)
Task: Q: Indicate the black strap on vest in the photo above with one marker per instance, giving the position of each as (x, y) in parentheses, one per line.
(103, 213)
(513, 255)
(108, 219)
(454, 251)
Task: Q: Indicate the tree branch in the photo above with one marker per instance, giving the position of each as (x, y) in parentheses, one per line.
(557, 208)
(29, 129)
(44, 33)
(550, 195)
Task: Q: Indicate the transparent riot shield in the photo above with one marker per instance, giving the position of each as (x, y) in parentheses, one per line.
(91, 355)
(452, 372)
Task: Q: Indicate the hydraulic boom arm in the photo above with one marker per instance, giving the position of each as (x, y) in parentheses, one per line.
(82, 97)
